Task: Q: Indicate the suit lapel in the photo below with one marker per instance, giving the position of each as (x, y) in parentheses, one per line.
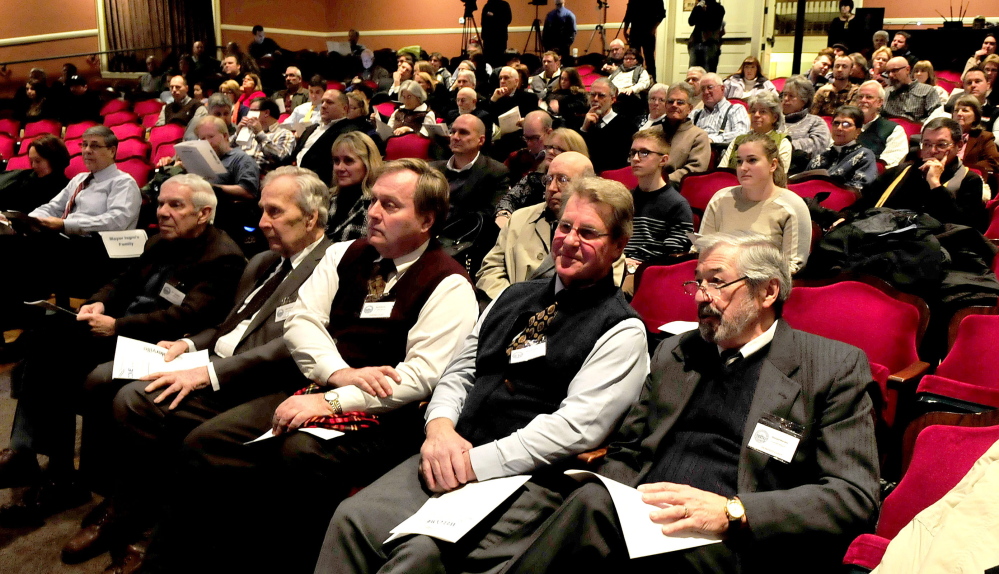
(544, 231)
(775, 393)
(288, 287)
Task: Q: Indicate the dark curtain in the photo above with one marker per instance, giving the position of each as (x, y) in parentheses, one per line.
(172, 25)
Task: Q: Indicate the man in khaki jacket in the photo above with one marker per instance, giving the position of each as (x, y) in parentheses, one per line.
(522, 250)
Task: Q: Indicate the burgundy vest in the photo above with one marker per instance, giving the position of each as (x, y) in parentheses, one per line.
(374, 342)
(180, 114)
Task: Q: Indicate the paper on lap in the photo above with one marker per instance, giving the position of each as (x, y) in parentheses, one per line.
(642, 536)
(135, 359)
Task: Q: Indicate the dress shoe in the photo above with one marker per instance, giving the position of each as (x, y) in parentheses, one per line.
(43, 500)
(91, 539)
(130, 561)
(18, 468)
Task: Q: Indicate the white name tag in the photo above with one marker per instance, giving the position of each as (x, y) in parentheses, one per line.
(382, 310)
(172, 294)
(773, 441)
(282, 312)
(528, 353)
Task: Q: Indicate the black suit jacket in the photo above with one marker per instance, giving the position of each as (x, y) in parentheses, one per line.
(319, 158)
(485, 186)
(261, 352)
(828, 493)
(206, 269)
(609, 145)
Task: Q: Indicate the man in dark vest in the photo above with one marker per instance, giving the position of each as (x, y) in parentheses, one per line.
(547, 373)
(373, 329)
(882, 136)
(183, 110)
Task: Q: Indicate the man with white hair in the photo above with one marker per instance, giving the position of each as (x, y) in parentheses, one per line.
(615, 56)
(607, 134)
(882, 136)
(183, 282)
(719, 117)
(293, 95)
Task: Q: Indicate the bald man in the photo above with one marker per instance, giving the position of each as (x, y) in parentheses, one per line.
(466, 101)
(522, 251)
(907, 98)
(477, 182)
(537, 126)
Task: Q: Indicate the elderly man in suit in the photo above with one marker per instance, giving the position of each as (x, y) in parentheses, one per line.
(698, 443)
(372, 329)
(248, 359)
(184, 281)
(314, 149)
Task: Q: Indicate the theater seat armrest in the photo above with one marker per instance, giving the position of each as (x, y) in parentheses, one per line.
(908, 375)
(866, 551)
(591, 456)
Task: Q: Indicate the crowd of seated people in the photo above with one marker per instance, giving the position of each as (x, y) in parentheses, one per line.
(350, 263)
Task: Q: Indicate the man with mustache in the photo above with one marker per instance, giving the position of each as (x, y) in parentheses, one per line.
(698, 443)
(547, 372)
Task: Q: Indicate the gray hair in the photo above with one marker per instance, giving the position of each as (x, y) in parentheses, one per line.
(713, 77)
(606, 82)
(681, 87)
(769, 101)
(658, 87)
(415, 89)
(313, 196)
(799, 87)
(697, 70)
(202, 194)
(758, 258)
(103, 132)
(881, 34)
(219, 100)
(877, 84)
(463, 73)
(367, 52)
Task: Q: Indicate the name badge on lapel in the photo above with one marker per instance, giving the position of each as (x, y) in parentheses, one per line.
(172, 294)
(282, 312)
(777, 437)
(530, 351)
(380, 310)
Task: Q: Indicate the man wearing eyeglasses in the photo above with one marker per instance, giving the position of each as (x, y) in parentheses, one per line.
(549, 369)
(719, 117)
(699, 442)
(537, 126)
(882, 136)
(605, 131)
(938, 184)
(293, 95)
(522, 250)
(907, 98)
(689, 145)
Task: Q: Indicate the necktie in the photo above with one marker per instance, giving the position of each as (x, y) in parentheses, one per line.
(72, 200)
(308, 114)
(258, 300)
(378, 279)
(535, 330)
(730, 358)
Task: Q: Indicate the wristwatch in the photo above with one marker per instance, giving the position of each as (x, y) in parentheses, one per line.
(333, 398)
(734, 511)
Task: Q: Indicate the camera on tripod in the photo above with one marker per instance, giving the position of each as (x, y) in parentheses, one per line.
(470, 8)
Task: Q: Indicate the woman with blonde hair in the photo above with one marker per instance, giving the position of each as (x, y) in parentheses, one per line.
(923, 72)
(356, 160)
(879, 65)
(251, 89)
(530, 190)
(762, 203)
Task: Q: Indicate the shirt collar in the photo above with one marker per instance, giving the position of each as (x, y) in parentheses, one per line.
(758, 343)
(297, 258)
(608, 117)
(402, 263)
(450, 164)
(106, 173)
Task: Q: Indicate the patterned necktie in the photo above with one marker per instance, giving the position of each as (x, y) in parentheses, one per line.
(379, 277)
(535, 329)
(72, 200)
(258, 300)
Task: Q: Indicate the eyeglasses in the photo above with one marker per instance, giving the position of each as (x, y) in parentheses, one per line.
(893, 70)
(677, 102)
(641, 153)
(584, 233)
(842, 124)
(711, 290)
(561, 179)
(555, 149)
(942, 146)
(85, 145)
(658, 100)
(530, 139)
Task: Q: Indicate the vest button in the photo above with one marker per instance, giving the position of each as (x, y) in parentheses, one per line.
(541, 256)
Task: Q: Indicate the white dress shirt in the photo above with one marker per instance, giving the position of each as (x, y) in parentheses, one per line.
(896, 147)
(443, 323)
(109, 203)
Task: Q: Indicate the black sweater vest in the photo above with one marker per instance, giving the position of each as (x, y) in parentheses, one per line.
(505, 396)
(180, 114)
(374, 342)
(875, 138)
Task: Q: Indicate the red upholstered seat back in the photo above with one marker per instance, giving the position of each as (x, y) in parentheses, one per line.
(408, 145)
(128, 130)
(839, 197)
(122, 117)
(963, 391)
(623, 175)
(132, 148)
(659, 297)
(942, 456)
(386, 109)
(146, 107)
(6, 146)
(76, 166)
(889, 396)
(138, 169)
(860, 315)
(10, 127)
(778, 84)
(75, 131)
(42, 127)
(973, 357)
(18, 162)
(114, 106)
(698, 188)
(910, 128)
(169, 133)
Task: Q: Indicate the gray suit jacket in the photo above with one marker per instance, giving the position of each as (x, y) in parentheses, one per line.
(830, 488)
(261, 351)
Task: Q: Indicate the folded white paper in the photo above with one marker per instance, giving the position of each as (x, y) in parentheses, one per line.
(642, 536)
(324, 434)
(135, 359)
(677, 327)
(449, 516)
(382, 128)
(508, 121)
(124, 244)
(199, 158)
